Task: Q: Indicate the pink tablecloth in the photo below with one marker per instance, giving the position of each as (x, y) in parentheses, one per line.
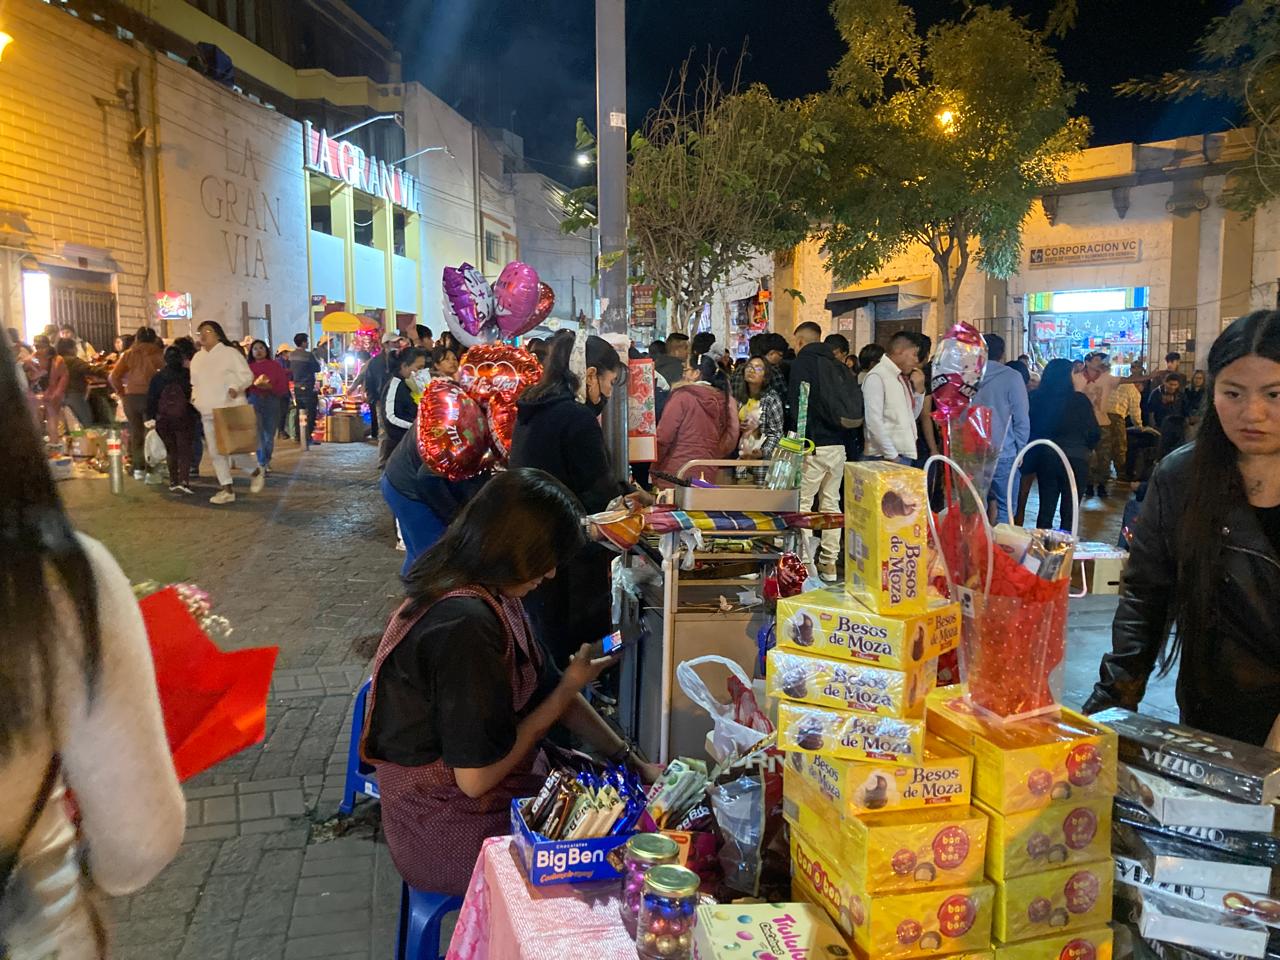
(504, 917)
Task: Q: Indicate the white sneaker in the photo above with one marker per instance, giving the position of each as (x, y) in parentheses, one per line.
(828, 573)
(183, 489)
(223, 496)
(139, 475)
(257, 480)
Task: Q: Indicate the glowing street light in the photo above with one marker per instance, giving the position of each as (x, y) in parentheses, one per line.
(5, 40)
(584, 159)
(947, 120)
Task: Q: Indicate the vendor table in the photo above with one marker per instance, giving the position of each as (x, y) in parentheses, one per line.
(504, 917)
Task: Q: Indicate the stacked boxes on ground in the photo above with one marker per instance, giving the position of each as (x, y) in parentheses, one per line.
(921, 830)
(1195, 841)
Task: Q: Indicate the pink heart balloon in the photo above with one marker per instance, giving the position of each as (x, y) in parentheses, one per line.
(468, 303)
(515, 297)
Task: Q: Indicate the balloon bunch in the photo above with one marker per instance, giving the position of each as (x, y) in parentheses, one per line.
(478, 313)
(465, 428)
(957, 371)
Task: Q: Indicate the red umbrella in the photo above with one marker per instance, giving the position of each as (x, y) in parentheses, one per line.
(214, 702)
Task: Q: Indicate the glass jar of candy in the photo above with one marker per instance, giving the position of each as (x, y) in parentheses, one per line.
(665, 926)
(643, 852)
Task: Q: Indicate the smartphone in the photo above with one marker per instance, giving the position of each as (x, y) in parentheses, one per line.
(612, 643)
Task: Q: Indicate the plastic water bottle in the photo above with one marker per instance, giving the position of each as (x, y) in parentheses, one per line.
(788, 462)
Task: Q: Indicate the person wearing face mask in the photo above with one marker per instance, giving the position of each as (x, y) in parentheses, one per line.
(1205, 555)
(463, 695)
(398, 408)
(558, 430)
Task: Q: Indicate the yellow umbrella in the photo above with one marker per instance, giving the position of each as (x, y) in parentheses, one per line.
(340, 321)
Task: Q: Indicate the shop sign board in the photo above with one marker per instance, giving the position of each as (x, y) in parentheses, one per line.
(644, 305)
(343, 160)
(1086, 253)
(172, 306)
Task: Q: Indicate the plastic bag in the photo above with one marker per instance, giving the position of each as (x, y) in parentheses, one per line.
(154, 449)
(746, 799)
(729, 738)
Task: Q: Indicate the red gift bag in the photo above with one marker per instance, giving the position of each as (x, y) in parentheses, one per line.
(214, 702)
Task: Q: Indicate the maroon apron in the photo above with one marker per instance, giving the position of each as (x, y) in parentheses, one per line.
(433, 829)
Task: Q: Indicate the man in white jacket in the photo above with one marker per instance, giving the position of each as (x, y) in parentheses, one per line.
(891, 406)
(220, 376)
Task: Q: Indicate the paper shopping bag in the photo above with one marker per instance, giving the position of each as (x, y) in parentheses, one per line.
(214, 702)
(235, 429)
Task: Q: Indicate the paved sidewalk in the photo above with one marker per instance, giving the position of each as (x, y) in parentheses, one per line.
(309, 565)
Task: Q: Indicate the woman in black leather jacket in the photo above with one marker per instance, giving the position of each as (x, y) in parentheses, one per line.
(1205, 555)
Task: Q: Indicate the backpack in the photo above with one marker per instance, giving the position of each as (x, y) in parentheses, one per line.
(173, 405)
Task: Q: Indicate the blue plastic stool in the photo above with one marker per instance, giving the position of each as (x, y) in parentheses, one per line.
(420, 916)
(361, 777)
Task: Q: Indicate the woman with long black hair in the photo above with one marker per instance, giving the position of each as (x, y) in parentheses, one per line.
(78, 708)
(1205, 554)
(1061, 413)
(462, 694)
(220, 377)
(558, 430)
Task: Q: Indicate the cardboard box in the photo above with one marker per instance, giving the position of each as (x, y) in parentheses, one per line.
(886, 537)
(831, 623)
(1053, 836)
(849, 686)
(731, 931)
(1259, 848)
(1228, 767)
(564, 861)
(1178, 805)
(943, 777)
(903, 850)
(345, 428)
(1074, 897)
(1030, 764)
(1092, 944)
(1250, 906)
(1159, 916)
(1170, 860)
(922, 923)
(847, 735)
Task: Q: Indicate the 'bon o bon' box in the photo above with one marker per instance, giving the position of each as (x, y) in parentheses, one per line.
(1070, 898)
(1053, 836)
(1091, 944)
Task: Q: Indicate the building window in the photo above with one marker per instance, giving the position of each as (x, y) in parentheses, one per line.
(397, 227)
(363, 218)
(321, 205)
(492, 247)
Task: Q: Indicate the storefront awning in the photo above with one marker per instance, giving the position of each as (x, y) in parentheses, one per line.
(910, 291)
(340, 321)
(76, 256)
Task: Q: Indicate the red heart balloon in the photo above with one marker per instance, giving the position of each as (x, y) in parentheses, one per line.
(453, 437)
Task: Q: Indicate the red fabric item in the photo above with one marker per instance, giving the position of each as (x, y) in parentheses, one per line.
(214, 702)
(272, 371)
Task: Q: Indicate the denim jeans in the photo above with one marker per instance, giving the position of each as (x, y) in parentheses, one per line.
(419, 525)
(1000, 487)
(267, 407)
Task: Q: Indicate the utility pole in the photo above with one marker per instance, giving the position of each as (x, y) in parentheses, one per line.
(611, 184)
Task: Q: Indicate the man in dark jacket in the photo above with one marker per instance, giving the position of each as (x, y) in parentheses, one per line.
(376, 375)
(834, 407)
(303, 370)
(670, 365)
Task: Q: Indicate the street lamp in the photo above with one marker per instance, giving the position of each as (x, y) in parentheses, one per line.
(5, 40)
(584, 159)
(364, 123)
(420, 153)
(947, 120)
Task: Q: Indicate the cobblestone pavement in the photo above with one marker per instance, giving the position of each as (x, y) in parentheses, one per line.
(265, 872)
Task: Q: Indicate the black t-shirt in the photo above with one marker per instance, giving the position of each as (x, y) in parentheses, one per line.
(1269, 517)
(445, 693)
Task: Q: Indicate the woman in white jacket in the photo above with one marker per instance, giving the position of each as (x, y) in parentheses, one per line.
(220, 377)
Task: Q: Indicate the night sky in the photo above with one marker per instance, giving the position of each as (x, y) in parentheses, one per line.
(529, 65)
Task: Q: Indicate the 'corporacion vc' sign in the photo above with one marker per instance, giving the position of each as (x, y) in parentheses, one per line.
(1120, 250)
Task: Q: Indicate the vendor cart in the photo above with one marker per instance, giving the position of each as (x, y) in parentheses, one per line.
(716, 607)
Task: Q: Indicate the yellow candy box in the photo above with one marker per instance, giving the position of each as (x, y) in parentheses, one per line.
(849, 686)
(847, 735)
(942, 778)
(781, 930)
(831, 623)
(891, 926)
(904, 850)
(1092, 944)
(1054, 901)
(1030, 764)
(1075, 831)
(887, 535)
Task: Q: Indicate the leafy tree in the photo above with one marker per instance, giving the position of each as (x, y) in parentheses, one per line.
(943, 139)
(1240, 62)
(710, 184)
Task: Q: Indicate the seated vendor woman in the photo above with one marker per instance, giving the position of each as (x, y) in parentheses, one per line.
(462, 694)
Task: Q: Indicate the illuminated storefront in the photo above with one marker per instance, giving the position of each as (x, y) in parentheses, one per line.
(1075, 323)
(363, 232)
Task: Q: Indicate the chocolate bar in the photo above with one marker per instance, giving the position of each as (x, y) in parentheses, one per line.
(1248, 906)
(1156, 950)
(1176, 861)
(1227, 767)
(1175, 804)
(1262, 849)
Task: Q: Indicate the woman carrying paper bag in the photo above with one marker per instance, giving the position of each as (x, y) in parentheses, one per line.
(220, 377)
